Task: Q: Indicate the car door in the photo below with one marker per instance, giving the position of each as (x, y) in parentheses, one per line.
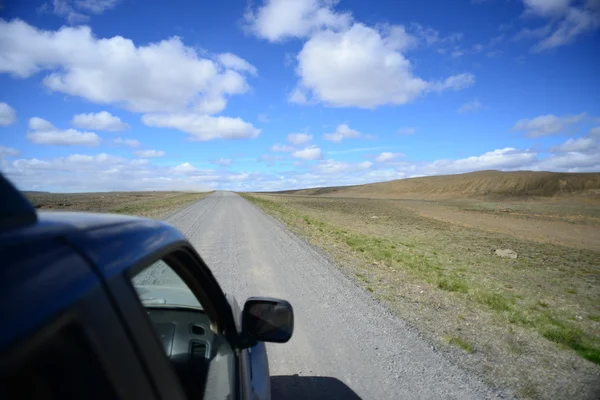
(62, 338)
(183, 326)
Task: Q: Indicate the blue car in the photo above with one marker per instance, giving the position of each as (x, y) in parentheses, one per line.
(112, 307)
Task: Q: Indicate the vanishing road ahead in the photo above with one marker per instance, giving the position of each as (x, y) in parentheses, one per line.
(344, 344)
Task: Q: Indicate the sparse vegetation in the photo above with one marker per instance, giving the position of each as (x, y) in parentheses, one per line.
(444, 278)
(143, 204)
(460, 344)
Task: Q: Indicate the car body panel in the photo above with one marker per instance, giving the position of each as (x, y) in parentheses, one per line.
(53, 261)
(39, 279)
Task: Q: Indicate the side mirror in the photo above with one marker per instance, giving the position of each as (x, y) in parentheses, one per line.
(266, 319)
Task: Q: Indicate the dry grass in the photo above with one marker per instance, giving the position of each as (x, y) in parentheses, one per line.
(488, 184)
(143, 204)
(531, 324)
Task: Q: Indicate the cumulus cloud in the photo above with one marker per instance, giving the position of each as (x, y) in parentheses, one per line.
(567, 20)
(299, 138)
(507, 158)
(150, 153)
(386, 156)
(576, 145)
(337, 167)
(128, 142)
(277, 20)
(101, 121)
(545, 125)
(43, 132)
(365, 68)
(342, 131)
(230, 60)
(470, 106)
(309, 153)
(204, 127)
(406, 131)
(117, 71)
(7, 114)
(282, 147)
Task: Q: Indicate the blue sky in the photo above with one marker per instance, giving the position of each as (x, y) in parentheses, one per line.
(128, 95)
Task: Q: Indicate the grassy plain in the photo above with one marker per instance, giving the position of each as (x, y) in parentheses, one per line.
(143, 204)
(531, 324)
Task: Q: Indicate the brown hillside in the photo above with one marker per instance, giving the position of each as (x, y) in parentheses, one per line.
(491, 184)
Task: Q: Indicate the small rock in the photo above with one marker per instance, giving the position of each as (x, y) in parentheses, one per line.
(506, 253)
(374, 217)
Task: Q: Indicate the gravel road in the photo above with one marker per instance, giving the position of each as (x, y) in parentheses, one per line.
(345, 345)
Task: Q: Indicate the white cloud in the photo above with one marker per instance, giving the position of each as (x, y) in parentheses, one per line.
(386, 156)
(582, 144)
(8, 152)
(575, 23)
(571, 162)
(507, 158)
(204, 127)
(7, 114)
(150, 153)
(230, 60)
(282, 148)
(309, 153)
(298, 96)
(595, 131)
(337, 167)
(470, 106)
(342, 131)
(567, 20)
(547, 124)
(166, 76)
(101, 121)
(365, 69)
(299, 138)
(406, 131)
(547, 7)
(128, 142)
(75, 11)
(264, 118)
(221, 161)
(184, 168)
(455, 82)
(43, 132)
(277, 20)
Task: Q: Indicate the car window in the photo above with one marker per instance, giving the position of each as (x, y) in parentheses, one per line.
(202, 358)
(159, 285)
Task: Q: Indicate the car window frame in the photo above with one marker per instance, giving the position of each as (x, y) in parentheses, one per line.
(190, 267)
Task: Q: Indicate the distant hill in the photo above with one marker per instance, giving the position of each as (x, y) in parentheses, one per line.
(490, 184)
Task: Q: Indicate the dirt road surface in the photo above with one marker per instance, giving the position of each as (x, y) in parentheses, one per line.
(345, 344)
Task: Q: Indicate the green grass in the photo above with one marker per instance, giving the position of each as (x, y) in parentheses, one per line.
(494, 301)
(573, 338)
(461, 344)
(452, 285)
